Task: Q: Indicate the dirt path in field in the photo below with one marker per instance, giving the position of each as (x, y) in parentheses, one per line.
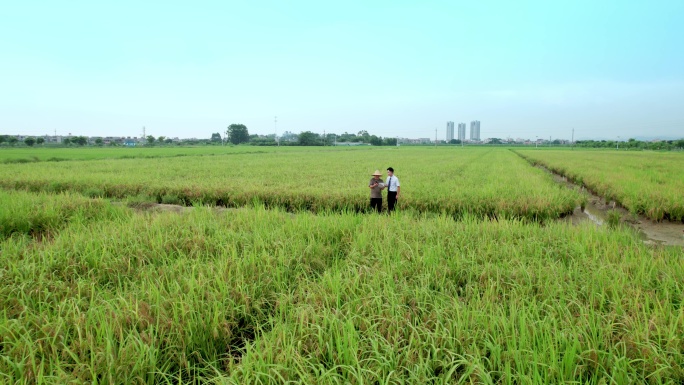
(597, 209)
(163, 207)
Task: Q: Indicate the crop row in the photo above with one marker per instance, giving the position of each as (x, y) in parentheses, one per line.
(647, 183)
(57, 154)
(263, 296)
(40, 214)
(484, 182)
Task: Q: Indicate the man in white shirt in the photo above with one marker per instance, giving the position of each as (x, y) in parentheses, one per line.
(393, 189)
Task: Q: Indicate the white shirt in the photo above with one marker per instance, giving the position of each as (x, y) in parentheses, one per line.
(392, 183)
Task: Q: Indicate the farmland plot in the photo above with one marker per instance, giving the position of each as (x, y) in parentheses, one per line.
(479, 181)
(647, 183)
(264, 296)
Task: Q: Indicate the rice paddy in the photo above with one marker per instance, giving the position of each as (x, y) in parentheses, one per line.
(647, 183)
(481, 287)
(480, 182)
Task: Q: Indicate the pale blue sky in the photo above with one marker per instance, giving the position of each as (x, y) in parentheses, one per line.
(393, 68)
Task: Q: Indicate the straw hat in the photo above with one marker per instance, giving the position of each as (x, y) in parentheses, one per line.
(377, 172)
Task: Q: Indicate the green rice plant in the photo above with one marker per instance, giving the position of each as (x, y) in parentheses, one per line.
(478, 301)
(141, 298)
(57, 154)
(260, 295)
(171, 199)
(39, 214)
(646, 183)
(94, 192)
(479, 181)
(141, 200)
(613, 218)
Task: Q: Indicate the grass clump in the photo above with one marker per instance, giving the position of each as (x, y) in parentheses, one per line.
(141, 200)
(171, 199)
(613, 218)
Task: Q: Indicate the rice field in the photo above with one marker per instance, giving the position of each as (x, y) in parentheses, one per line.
(647, 183)
(60, 154)
(482, 182)
(94, 292)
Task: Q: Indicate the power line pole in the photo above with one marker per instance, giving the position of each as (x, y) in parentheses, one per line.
(275, 128)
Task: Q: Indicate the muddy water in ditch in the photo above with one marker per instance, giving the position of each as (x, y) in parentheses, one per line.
(596, 211)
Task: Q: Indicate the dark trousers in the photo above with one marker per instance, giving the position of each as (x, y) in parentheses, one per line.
(391, 200)
(376, 203)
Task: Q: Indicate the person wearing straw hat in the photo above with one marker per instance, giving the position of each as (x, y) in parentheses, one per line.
(376, 187)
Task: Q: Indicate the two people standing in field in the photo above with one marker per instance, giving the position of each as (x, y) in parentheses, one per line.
(376, 186)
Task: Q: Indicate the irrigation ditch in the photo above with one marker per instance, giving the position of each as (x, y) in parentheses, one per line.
(604, 212)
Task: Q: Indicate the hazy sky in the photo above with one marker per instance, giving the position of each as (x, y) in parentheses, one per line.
(393, 68)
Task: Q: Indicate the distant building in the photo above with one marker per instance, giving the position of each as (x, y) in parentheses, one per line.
(461, 132)
(475, 130)
(450, 131)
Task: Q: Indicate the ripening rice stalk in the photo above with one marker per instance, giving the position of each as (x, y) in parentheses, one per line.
(648, 183)
(480, 181)
(259, 295)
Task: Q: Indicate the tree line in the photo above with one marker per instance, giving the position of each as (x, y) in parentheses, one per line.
(238, 134)
(632, 144)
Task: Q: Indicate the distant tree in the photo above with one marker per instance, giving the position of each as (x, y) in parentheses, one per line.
(80, 140)
(150, 139)
(99, 141)
(680, 143)
(168, 141)
(454, 141)
(161, 139)
(390, 142)
(495, 141)
(375, 141)
(216, 137)
(66, 141)
(267, 141)
(237, 133)
(346, 137)
(308, 138)
(30, 141)
(12, 140)
(3, 138)
(40, 140)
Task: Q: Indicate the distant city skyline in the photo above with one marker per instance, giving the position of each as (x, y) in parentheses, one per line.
(532, 69)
